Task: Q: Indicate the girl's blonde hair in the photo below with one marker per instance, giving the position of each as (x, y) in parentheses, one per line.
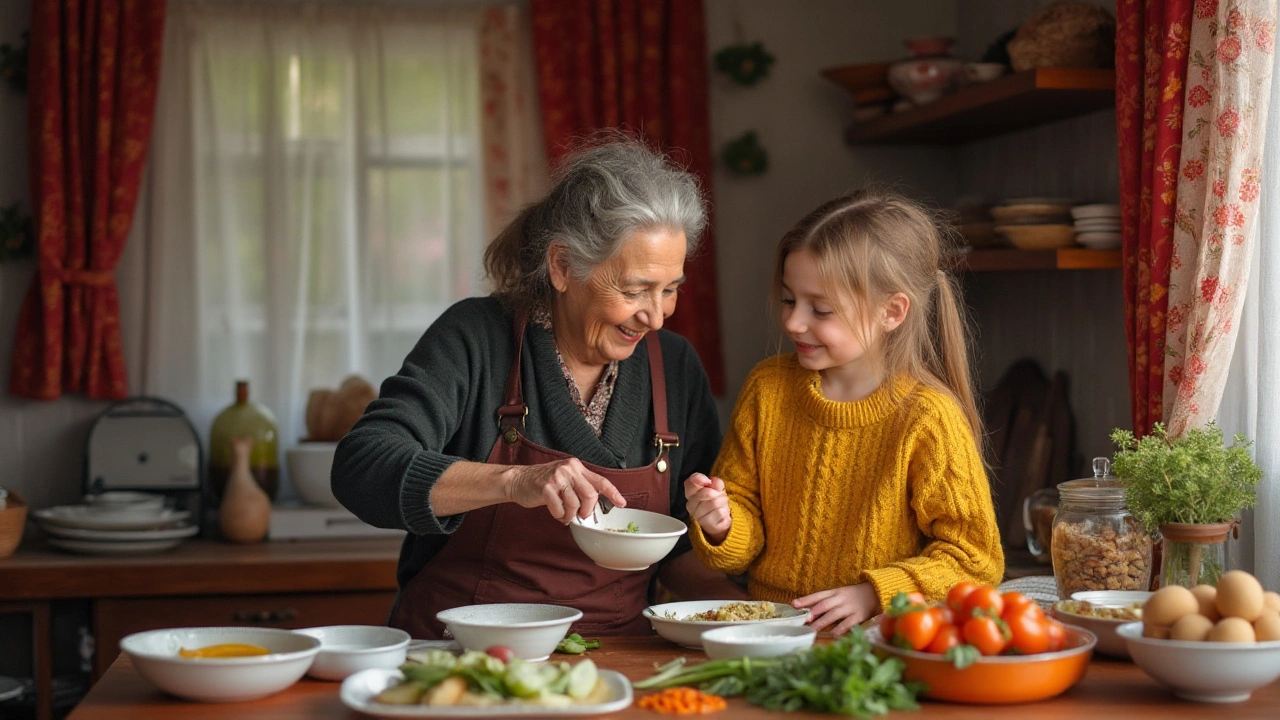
(871, 244)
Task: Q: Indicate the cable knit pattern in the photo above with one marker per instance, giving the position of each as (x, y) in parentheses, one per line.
(888, 490)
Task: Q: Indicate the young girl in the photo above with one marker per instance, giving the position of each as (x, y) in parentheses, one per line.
(852, 470)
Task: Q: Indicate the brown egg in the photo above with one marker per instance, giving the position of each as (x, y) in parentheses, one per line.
(1191, 627)
(1239, 596)
(1168, 604)
(1232, 629)
(1207, 596)
(1267, 626)
(1271, 600)
(1158, 632)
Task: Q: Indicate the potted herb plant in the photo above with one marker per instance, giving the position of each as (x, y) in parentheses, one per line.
(1190, 488)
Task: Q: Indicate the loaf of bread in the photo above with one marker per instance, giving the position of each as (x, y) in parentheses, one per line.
(332, 413)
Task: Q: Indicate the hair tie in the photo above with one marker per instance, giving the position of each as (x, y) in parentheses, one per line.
(942, 275)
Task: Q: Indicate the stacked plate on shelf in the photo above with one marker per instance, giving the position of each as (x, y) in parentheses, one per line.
(1097, 226)
(116, 523)
(1035, 223)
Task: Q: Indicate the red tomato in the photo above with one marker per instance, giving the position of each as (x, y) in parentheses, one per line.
(501, 652)
(1057, 635)
(948, 637)
(1015, 602)
(887, 623)
(986, 634)
(916, 629)
(1028, 634)
(944, 614)
(985, 600)
(957, 595)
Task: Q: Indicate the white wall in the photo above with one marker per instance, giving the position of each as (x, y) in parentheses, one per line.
(800, 118)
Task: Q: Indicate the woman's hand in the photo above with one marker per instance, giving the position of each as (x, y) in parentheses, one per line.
(566, 487)
(847, 606)
(708, 505)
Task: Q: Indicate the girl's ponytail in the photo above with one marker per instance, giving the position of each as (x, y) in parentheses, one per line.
(951, 328)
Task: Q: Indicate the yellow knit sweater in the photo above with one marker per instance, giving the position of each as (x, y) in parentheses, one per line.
(888, 490)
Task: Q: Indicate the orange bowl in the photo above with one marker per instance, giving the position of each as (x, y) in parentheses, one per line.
(1000, 679)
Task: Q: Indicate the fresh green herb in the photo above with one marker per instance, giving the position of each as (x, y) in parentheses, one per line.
(574, 644)
(962, 656)
(1195, 478)
(632, 527)
(843, 677)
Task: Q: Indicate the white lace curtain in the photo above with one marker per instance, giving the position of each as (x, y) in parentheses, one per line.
(319, 191)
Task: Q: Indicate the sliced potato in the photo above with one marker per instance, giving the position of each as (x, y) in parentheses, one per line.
(406, 693)
(447, 692)
(599, 694)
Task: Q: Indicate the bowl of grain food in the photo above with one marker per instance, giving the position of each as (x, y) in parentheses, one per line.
(683, 623)
(626, 539)
(1101, 612)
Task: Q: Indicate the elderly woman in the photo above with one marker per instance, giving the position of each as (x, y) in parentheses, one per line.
(515, 412)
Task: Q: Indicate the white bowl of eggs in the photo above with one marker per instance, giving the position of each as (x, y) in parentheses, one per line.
(1209, 644)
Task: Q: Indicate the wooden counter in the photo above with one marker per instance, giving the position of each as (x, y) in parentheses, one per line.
(1109, 689)
(201, 582)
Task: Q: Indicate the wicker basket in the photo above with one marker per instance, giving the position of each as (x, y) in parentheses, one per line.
(13, 518)
(1065, 35)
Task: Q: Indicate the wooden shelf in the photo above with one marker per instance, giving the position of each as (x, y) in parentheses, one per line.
(1013, 102)
(1061, 259)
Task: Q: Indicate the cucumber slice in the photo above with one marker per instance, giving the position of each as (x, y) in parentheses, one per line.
(582, 679)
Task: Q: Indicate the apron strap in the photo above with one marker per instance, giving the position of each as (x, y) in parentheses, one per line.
(663, 438)
(513, 410)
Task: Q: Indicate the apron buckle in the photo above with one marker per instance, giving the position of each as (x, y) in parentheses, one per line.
(663, 446)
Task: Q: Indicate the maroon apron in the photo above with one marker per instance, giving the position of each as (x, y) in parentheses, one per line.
(507, 553)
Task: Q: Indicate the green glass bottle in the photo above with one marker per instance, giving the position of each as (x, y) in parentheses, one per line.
(245, 418)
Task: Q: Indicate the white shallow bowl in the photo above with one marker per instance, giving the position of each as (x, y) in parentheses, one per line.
(1212, 672)
(770, 640)
(688, 633)
(155, 654)
(310, 464)
(348, 649)
(599, 538)
(1109, 643)
(531, 631)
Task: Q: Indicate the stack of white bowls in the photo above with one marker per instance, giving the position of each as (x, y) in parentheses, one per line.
(116, 523)
(1097, 226)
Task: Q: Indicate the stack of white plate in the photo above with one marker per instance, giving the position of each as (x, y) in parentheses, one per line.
(116, 523)
(1097, 226)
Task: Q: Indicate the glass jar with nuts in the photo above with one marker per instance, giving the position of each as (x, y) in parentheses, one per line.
(1096, 544)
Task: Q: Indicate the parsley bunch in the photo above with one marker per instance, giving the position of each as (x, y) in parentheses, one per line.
(844, 677)
(1195, 478)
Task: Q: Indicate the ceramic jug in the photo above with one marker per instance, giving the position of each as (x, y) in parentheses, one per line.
(245, 515)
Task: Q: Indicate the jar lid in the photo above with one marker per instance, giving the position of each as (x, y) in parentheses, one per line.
(1102, 487)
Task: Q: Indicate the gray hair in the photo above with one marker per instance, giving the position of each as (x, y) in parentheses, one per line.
(600, 197)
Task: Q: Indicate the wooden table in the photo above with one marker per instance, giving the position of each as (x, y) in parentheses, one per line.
(1109, 689)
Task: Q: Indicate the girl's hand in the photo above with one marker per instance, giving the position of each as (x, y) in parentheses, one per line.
(847, 606)
(708, 504)
(566, 487)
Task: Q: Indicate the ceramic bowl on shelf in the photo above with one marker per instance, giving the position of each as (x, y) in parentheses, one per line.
(672, 620)
(606, 539)
(984, 71)
(310, 464)
(1100, 240)
(772, 640)
(220, 679)
(532, 631)
(998, 679)
(348, 649)
(1211, 672)
(1038, 237)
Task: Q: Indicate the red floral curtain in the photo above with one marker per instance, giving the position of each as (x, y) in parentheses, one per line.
(94, 68)
(639, 65)
(1152, 37)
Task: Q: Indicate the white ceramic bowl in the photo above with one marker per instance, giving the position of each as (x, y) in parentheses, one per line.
(1213, 672)
(531, 631)
(769, 640)
(600, 538)
(1109, 643)
(348, 649)
(155, 655)
(666, 620)
(309, 466)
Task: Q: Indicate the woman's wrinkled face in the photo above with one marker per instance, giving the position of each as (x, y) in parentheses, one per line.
(603, 318)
